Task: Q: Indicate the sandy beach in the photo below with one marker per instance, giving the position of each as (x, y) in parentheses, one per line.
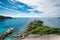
(44, 37)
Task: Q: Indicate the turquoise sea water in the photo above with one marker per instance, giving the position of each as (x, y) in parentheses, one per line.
(19, 24)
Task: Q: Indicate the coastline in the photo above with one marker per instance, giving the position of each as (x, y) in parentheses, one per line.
(27, 36)
(32, 26)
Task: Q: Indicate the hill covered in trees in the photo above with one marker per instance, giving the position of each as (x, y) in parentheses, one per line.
(37, 27)
(4, 17)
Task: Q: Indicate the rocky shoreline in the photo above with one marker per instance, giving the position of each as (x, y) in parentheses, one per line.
(35, 28)
(5, 34)
(31, 29)
(52, 34)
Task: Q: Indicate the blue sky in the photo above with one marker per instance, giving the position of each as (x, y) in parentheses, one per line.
(30, 8)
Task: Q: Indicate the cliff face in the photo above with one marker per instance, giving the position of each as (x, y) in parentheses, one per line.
(4, 17)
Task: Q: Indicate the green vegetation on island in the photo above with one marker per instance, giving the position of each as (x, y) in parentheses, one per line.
(4, 17)
(37, 27)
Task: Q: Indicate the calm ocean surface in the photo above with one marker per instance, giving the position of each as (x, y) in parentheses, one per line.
(19, 24)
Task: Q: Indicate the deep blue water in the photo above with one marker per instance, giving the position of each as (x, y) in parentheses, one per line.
(19, 24)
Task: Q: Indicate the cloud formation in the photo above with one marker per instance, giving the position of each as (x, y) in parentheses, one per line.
(50, 8)
(30, 8)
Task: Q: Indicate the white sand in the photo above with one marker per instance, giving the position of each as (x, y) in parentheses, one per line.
(45, 37)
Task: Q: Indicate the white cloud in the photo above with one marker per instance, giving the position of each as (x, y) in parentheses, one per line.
(22, 15)
(47, 6)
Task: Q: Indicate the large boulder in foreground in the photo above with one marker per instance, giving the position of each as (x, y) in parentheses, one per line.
(43, 37)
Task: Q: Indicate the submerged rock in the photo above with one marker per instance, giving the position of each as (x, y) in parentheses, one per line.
(8, 32)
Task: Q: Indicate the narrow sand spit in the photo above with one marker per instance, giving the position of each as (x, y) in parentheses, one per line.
(44, 37)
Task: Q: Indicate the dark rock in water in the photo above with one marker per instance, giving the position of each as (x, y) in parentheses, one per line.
(5, 26)
(58, 17)
(4, 35)
(4, 17)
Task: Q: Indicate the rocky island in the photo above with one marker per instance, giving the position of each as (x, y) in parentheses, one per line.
(5, 17)
(36, 30)
(37, 27)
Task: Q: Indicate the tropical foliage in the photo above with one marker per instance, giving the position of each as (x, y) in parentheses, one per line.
(37, 27)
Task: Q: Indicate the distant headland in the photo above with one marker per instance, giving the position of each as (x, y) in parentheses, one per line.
(58, 17)
(4, 17)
